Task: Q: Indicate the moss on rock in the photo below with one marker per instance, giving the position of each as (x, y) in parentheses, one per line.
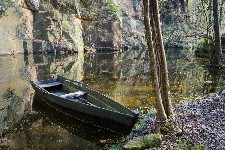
(198, 147)
(146, 142)
(166, 128)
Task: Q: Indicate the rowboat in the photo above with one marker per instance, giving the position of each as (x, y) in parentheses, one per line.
(77, 100)
(78, 128)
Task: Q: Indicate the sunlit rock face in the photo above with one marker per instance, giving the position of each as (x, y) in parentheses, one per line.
(113, 24)
(101, 24)
(57, 28)
(55, 25)
(132, 23)
(16, 29)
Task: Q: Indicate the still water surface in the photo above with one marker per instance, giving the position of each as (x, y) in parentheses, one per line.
(124, 77)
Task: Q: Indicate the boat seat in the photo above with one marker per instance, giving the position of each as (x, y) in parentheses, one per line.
(51, 84)
(74, 95)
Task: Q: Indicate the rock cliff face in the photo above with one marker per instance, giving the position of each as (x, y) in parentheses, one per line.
(58, 25)
(16, 27)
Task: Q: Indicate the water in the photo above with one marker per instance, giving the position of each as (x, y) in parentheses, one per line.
(124, 77)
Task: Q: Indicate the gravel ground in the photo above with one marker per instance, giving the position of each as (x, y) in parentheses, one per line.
(203, 121)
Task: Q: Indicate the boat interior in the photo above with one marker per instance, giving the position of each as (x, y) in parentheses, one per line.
(77, 93)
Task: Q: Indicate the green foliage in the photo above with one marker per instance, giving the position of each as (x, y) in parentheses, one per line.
(139, 128)
(180, 133)
(152, 141)
(8, 94)
(184, 145)
(198, 147)
(4, 4)
(166, 128)
(184, 23)
(146, 142)
(115, 146)
(204, 48)
(142, 122)
(111, 7)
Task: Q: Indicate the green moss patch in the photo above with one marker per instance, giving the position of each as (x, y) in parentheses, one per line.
(146, 142)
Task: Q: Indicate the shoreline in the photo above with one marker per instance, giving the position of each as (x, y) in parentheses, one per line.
(202, 123)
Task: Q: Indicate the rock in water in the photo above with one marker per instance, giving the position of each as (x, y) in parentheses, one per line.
(33, 4)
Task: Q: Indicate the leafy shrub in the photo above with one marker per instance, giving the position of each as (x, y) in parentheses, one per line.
(112, 8)
(147, 142)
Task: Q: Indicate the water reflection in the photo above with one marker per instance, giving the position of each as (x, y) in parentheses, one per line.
(49, 129)
(11, 113)
(67, 65)
(122, 76)
(14, 90)
(190, 77)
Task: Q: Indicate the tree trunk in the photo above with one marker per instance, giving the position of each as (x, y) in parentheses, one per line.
(217, 58)
(161, 115)
(165, 93)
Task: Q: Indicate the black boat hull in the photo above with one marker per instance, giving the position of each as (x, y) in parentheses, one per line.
(87, 118)
(117, 118)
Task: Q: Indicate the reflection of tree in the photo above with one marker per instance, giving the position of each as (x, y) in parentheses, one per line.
(213, 80)
(190, 79)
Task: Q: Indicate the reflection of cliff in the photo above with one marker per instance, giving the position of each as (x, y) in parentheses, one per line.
(135, 62)
(50, 129)
(15, 89)
(47, 66)
(100, 65)
(36, 132)
(189, 77)
(15, 75)
(12, 111)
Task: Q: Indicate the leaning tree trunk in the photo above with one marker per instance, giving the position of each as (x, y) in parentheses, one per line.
(217, 58)
(165, 93)
(161, 115)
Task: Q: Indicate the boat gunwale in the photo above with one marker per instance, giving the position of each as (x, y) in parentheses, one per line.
(83, 85)
(125, 131)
